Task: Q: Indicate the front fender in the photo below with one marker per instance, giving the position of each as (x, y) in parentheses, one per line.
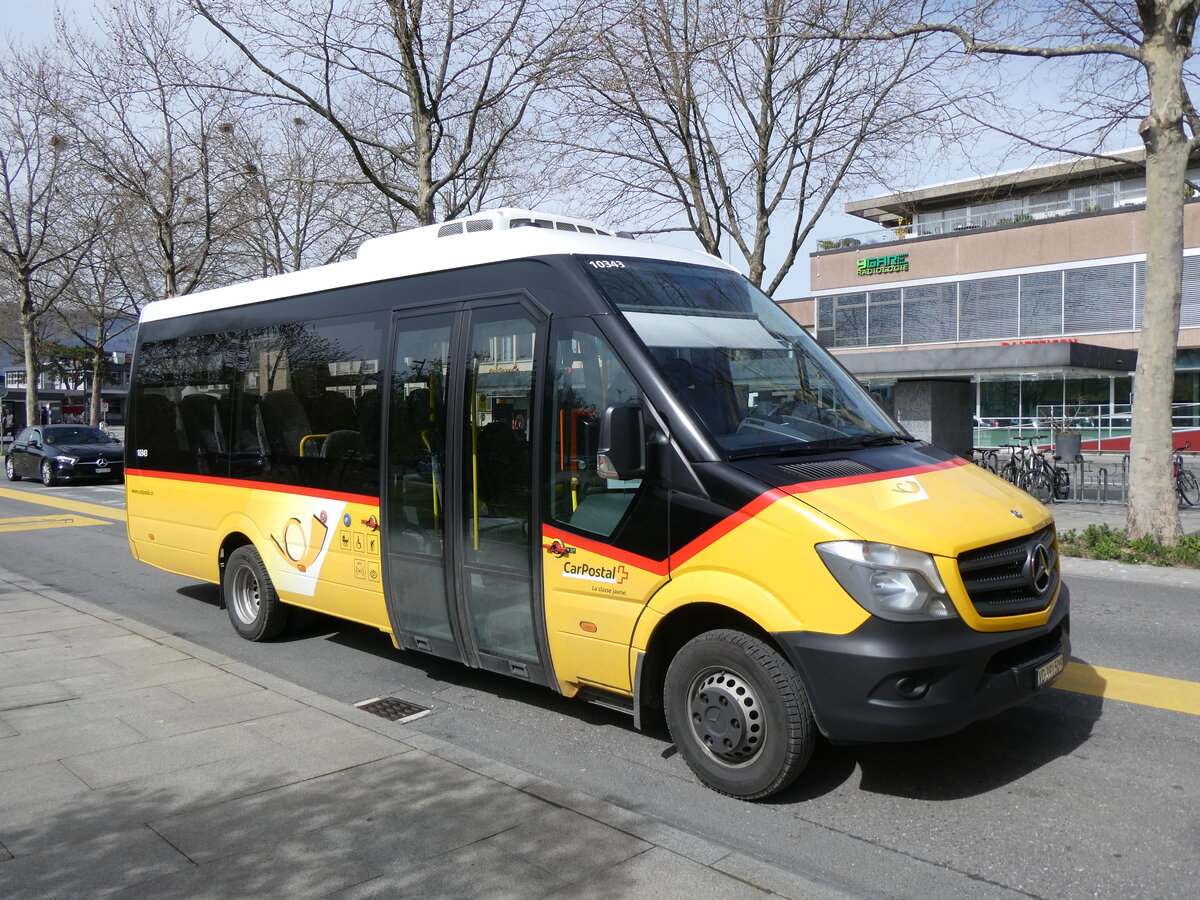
(719, 588)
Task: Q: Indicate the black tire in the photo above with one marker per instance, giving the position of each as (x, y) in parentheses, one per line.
(1062, 484)
(49, 476)
(739, 714)
(1010, 473)
(254, 607)
(1039, 485)
(1189, 489)
(9, 470)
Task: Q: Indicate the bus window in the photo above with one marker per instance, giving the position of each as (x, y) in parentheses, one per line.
(586, 377)
(755, 380)
(416, 498)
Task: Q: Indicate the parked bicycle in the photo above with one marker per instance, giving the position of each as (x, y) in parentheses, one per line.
(987, 458)
(1186, 486)
(1031, 471)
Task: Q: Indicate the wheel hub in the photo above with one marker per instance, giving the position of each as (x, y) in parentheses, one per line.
(245, 595)
(727, 716)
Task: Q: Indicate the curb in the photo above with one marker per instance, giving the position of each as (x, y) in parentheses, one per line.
(732, 863)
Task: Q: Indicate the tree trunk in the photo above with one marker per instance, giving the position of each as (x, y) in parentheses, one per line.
(28, 326)
(1153, 510)
(98, 368)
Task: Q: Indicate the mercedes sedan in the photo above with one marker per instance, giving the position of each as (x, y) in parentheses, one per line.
(56, 453)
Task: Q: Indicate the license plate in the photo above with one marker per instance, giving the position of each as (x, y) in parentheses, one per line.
(1047, 672)
(103, 469)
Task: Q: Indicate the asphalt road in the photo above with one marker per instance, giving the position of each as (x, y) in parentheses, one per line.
(1070, 795)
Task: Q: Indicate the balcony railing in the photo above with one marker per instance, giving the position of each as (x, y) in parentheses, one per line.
(931, 229)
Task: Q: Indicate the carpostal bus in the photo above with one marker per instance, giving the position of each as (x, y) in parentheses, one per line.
(607, 466)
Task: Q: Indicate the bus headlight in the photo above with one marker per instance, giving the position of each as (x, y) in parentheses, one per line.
(890, 582)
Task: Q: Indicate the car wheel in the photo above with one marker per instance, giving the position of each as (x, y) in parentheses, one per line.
(49, 476)
(254, 607)
(9, 470)
(739, 714)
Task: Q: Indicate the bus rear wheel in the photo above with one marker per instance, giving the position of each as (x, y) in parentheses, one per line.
(254, 607)
(739, 714)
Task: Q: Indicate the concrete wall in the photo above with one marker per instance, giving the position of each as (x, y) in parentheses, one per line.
(940, 412)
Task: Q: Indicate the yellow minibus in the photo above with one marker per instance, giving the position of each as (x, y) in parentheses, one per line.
(608, 466)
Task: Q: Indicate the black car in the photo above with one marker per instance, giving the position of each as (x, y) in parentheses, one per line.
(56, 453)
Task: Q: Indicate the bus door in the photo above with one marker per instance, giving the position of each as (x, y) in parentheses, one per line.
(604, 541)
(459, 504)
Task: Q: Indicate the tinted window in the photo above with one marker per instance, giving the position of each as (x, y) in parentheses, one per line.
(76, 435)
(293, 404)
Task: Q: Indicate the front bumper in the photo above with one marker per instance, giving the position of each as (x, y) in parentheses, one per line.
(87, 470)
(892, 681)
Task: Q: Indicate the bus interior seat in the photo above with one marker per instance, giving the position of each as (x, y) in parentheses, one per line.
(248, 443)
(285, 422)
(331, 411)
(159, 430)
(344, 443)
(201, 417)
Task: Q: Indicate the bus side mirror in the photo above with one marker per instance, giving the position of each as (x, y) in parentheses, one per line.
(622, 451)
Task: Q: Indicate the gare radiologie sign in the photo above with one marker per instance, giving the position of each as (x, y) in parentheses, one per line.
(883, 265)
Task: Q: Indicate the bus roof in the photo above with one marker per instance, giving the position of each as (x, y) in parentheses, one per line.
(487, 237)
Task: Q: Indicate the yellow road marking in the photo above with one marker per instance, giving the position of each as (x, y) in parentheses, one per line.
(33, 523)
(91, 509)
(1132, 687)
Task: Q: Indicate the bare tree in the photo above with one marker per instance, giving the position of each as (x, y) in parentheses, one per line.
(98, 307)
(739, 119)
(162, 145)
(1134, 58)
(45, 212)
(304, 202)
(429, 97)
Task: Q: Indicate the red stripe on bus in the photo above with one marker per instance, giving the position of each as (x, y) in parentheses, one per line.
(296, 490)
(726, 525)
(655, 566)
(733, 520)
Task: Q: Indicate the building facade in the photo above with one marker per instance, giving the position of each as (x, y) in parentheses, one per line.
(1029, 286)
(64, 396)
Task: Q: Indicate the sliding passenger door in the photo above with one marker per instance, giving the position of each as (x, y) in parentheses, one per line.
(415, 500)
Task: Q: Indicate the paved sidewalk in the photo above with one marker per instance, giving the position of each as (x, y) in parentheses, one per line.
(134, 763)
(1078, 516)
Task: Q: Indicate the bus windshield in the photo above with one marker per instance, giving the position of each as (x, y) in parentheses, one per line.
(756, 380)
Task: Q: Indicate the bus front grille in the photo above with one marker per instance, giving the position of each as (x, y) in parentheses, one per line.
(1013, 577)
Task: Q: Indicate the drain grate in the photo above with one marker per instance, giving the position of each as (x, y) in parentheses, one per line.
(393, 709)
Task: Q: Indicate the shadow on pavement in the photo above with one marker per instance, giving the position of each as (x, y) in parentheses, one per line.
(982, 757)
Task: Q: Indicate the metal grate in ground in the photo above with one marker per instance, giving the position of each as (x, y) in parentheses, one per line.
(393, 709)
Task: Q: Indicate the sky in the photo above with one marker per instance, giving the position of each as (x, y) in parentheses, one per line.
(32, 21)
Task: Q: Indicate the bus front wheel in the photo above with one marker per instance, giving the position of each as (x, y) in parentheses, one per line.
(738, 713)
(253, 605)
